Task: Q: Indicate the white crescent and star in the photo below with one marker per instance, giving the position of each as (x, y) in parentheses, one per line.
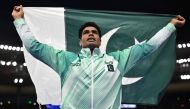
(104, 41)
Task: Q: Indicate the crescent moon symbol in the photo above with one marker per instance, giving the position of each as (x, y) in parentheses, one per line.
(105, 38)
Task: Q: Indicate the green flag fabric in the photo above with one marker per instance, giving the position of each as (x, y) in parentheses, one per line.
(151, 74)
(156, 69)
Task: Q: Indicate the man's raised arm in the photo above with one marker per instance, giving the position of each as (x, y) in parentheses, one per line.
(165, 33)
(42, 52)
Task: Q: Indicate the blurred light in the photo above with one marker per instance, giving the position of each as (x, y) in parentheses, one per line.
(180, 61)
(188, 60)
(187, 65)
(184, 45)
(14, 48)
(178, 98)
(179, 46)
(17, 48)
(8, 63)
(15, 80)
(14, 63)
(182, 105)
(189, 99)
(1, 103)
(2, 46)
(20, 80)
(6, 47)
(21, 67)
(188, 44)
(34, 103)
(29, 102)
(128, 105)
(184, 60)
(21, 49)
(9, 102)
(182, 77)
(10, 47)
(2, 62)
(183, 65)
(177, 61)
(185, 77)
(24, 64)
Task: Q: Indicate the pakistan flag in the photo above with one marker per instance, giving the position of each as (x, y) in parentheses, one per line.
(144, 83)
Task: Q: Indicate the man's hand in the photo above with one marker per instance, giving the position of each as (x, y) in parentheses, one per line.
(18, 12)
(178, 21)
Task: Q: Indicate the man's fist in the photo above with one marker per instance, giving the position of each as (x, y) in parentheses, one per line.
(178, 21)
(18, 12)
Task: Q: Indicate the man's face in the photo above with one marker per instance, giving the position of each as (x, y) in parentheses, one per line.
(90, 38)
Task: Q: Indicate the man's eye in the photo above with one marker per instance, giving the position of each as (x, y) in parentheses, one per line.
(94, 32)
(88, 32)
(85, 32)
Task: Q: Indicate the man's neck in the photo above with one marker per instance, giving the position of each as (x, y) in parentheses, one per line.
(91, 49)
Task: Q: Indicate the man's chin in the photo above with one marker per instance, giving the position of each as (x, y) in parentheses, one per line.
(91, 46)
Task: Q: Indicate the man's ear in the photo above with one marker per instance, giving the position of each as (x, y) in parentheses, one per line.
(80, 43)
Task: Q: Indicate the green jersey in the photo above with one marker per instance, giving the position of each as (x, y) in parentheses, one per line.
(90, 80)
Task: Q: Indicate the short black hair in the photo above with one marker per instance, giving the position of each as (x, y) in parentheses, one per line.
(88, 24)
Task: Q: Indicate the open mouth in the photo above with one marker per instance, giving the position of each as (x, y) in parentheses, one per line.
(91, 40)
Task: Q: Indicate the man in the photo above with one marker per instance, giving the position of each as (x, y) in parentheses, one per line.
(90, 79)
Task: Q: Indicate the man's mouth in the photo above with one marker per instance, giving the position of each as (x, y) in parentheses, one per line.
(91, 40)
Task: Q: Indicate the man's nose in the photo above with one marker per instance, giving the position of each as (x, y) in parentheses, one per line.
(91, 33)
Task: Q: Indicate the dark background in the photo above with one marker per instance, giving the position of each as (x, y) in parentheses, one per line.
(22, 96)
